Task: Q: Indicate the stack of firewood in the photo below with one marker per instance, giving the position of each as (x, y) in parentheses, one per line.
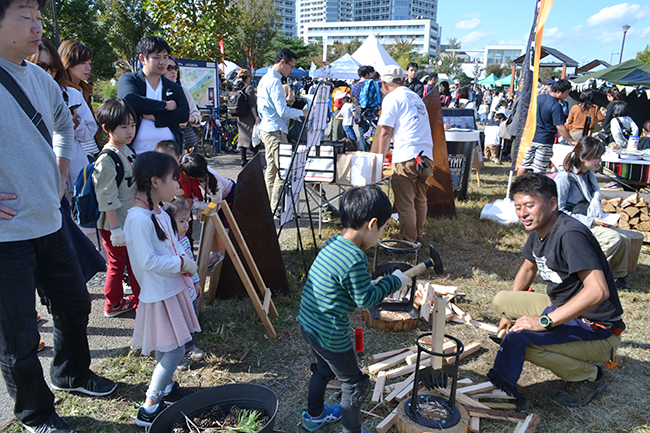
(633, 210)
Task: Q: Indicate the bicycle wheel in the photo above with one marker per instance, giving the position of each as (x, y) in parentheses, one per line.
(233, 135)
(207, 143)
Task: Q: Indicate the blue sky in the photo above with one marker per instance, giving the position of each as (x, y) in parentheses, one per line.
(582, 29)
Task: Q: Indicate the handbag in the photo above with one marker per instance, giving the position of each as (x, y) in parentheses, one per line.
(190, 139)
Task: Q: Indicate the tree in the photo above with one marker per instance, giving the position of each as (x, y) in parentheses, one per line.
(296, 45)
(78, 20)
(476, 71)
(449, 65)
(253, 25)
(402, 50)
(125, 23)
(546, 74)
(193, 28)
(495, 69)
(644, 56)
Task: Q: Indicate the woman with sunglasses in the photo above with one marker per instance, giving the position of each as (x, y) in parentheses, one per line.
(190, 139)
(76, 58)
(84, 122)
(578, 195)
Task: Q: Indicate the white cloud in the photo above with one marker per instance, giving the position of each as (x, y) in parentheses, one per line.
(468, 24)
(552, 35)
(476, 36)
(619, 14)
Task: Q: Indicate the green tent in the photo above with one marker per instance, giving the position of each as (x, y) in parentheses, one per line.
(629, 73)
(489, 80)
(505, 81)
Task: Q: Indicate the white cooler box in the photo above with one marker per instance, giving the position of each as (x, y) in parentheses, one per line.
(359, 168)
(321, 161)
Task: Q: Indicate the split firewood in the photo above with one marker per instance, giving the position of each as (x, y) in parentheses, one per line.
(615, 201)
(643, 216)
(470, 349)
(475, 424)
(387, 423)
(378, 357)
(448, 347)
(408, 383)
(632, 211)
(463, 399)
(500, 405)
(498, 415)
(378, 392)
(388, 363)
(530, 424)
(633, 221)
(495, 394)
(623, 224)
(408, 369)
(624, 216)
(478, 388)
(644, 226)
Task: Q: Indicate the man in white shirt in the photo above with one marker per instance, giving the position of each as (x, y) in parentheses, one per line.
(405, 120)
(159, 103)
(274, 112)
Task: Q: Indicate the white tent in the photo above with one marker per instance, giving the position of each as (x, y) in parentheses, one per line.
(345, 68)
(372, 53)
(230, 67)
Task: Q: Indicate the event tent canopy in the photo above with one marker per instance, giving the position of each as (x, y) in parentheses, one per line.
(345, 68)
(629, 73)
(297, 72)
(372, 53)
(505, 81)
(229, 67)
(489, 80)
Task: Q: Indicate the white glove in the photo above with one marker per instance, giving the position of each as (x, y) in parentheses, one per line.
(404, 279)
(117, 237)
(189, 266)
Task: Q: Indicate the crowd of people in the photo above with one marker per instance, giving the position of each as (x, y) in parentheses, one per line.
(144, 219)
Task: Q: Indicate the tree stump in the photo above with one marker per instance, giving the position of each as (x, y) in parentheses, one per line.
(391, 321)
(405, 424)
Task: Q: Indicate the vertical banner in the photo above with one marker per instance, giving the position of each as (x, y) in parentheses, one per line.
(223, 56)
(530, 75)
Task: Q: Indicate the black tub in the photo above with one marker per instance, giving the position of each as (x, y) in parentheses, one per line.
(244, 395)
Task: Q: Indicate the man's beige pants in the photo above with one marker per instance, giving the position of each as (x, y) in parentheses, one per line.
(272, 142)
(570, 361)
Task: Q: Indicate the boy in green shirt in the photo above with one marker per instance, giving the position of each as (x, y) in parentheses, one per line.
(337, 284)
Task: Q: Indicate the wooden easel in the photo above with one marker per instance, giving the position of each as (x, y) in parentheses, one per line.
(211, 223)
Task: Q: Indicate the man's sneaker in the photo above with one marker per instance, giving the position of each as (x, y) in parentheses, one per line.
(184, 364)
(195, 354)
(176, 393)
(622, 284)
(145, 419)
(575, 394)
(54, 424)
(96, 386)
(330, 414)
(126, 304)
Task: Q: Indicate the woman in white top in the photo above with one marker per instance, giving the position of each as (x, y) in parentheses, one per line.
(622, 126)
(190, 138)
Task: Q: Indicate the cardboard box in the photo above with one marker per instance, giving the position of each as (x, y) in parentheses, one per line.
(321, 161)
(359, 168)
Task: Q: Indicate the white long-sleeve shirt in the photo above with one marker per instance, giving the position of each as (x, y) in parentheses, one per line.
(272, 105)
(85, 131)
(617, 132)
(156, 264)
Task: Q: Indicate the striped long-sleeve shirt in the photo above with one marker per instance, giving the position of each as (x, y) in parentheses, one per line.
(337, 284)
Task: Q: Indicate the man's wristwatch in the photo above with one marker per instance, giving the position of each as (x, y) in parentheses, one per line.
(545, 322)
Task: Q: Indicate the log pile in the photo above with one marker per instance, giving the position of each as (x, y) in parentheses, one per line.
(634, 212)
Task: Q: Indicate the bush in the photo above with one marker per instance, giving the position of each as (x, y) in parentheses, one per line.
(104, 90)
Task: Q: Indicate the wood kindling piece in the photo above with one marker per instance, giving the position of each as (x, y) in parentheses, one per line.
(387, 423)
(378, 357)
(378, 391)
(529, 425)
(407, 384)
(475, 389)
(388, 363)
(498, 415)
(241, 270)
(470, 349)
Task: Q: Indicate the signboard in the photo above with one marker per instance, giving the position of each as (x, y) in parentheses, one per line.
(201, 79)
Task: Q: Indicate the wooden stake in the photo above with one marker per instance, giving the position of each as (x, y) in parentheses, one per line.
(438, 331)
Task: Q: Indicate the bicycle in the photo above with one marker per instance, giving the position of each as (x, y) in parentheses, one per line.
(218, 132)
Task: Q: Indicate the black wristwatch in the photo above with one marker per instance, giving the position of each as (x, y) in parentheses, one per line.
(545, 322)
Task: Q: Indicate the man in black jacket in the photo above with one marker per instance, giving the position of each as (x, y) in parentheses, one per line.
(412, 81)
(159, 103)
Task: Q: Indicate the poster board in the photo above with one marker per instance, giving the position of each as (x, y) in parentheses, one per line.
(201, 78)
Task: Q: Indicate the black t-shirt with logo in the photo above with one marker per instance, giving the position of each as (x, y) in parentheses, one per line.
(569, 248)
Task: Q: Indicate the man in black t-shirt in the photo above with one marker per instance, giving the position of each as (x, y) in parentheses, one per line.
(580, 292)
(412, 81)
(550, 121)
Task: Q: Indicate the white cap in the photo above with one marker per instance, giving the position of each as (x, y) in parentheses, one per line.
(390, 73)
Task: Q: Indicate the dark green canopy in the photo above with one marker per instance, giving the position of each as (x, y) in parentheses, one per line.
(489, 80)
(629, 73)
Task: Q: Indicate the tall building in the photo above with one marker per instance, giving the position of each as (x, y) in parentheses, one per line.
(389, 10)
(286, 9)
(321, 11)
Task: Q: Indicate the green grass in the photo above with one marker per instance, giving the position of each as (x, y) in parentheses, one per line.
(480, 258)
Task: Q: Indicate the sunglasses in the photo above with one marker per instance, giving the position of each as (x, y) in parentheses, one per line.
(171, 68)
(44, 66)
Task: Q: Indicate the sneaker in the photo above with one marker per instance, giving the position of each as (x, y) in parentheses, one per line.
(195, 354)
(184, 365)
(145, 419)
(622, 284)
(126, 304)
(96, 386)
(126, 285)
(176, 393)
(54, 424)
(330, 414)
(576, 394)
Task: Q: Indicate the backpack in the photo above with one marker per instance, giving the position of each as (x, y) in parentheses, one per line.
(370, 96)
(85, 200)
(238, 104)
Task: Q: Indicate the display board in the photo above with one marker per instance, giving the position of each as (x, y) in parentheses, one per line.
(201, 79)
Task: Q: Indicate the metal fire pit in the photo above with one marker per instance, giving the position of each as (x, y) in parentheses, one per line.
(438, 378)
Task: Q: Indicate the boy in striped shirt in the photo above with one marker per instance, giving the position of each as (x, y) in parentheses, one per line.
(337, 284)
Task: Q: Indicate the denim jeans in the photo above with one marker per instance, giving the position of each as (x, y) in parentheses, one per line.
(349, 131)
(354, 384)
(51, 263)
(363, 128)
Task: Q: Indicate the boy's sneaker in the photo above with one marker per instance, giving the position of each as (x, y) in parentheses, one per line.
(576, 394)
(126, 304)
(195, 354)
(54, 424)
(184, 364)
(96, 386)
(176, 393)
(145, 419)
(330, 414)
